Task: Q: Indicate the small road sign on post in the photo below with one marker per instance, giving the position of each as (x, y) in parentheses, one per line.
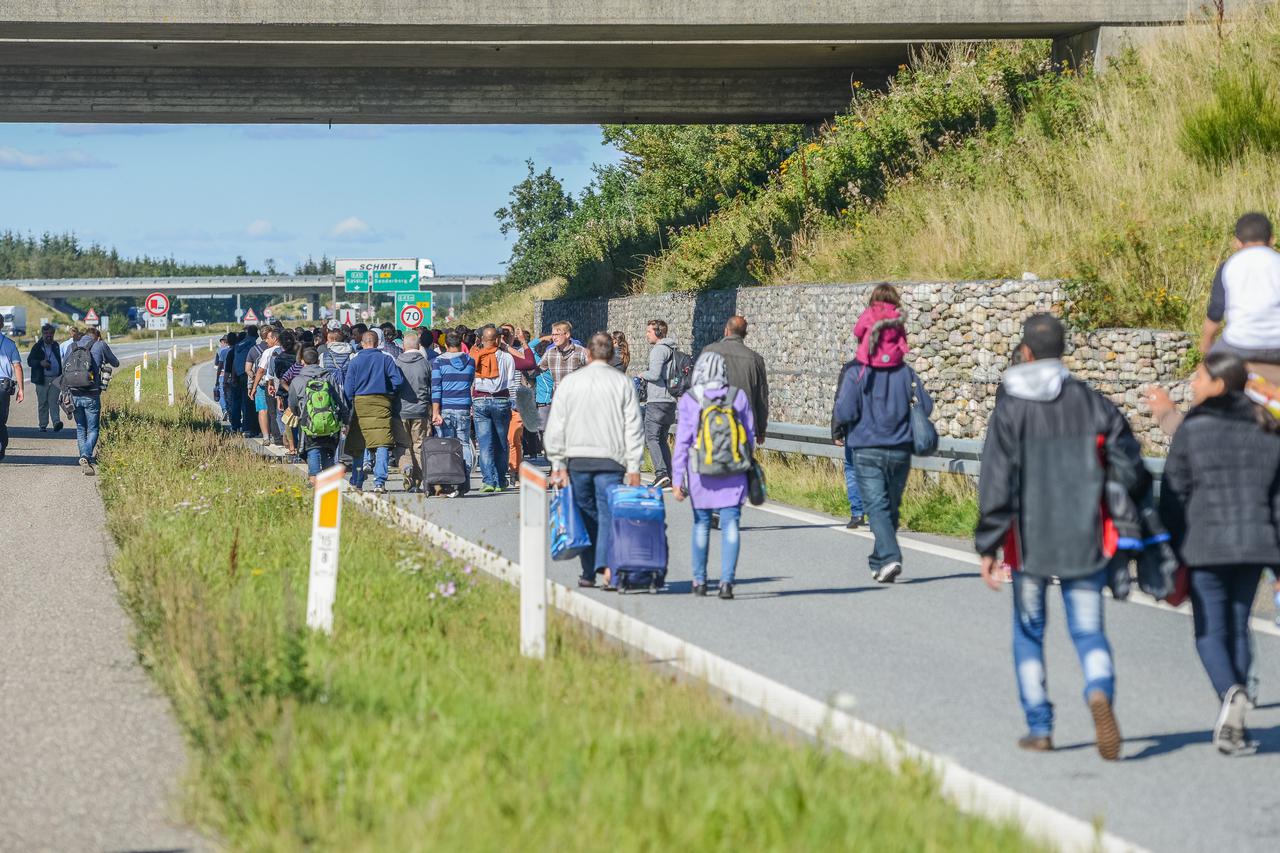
(250, 318)
(157, 304)
(157, 324)
(533, 562)
(326, 530)
(91, 318)
(137, 381)
(413, 309)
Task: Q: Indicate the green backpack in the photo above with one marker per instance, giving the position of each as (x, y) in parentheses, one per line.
(319, 410)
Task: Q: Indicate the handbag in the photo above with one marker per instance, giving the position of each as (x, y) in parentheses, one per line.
(924, 437)
(757, 491)
(568, 532)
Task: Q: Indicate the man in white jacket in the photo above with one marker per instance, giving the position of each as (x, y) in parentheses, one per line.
(595, 439)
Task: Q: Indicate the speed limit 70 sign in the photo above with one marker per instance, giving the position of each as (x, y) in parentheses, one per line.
(411, 316)
(157, 305)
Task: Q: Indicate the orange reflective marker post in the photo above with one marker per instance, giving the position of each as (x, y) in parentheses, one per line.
(326, 527)
(137, 382)
(533, 562)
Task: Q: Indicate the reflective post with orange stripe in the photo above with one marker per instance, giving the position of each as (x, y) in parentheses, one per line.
(533, 562)
(326, 527)
(137, 382)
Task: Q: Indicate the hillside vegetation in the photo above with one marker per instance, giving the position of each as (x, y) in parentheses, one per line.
(979, 161)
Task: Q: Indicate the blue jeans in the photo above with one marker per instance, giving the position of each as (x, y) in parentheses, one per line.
(493, 419)
(457, 424)
(882, 477)
(88, 411)
(1083, 600)
(234, 400)
(591, 497)
(381, 468)
(729, 518)
(319, 457)
(1221, 602)
(856, 509)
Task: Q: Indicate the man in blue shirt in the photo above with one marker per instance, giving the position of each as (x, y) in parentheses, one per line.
(11, 380)
(373, 379)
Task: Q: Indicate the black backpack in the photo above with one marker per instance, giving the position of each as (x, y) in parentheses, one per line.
(679, 372)
(79, 373)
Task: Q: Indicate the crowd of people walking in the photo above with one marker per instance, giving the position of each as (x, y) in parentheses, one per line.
(1064, 496)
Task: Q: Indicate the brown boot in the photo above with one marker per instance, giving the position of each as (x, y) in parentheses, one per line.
(1105, 726)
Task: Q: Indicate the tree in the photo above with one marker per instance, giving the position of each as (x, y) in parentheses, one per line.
(537, 215)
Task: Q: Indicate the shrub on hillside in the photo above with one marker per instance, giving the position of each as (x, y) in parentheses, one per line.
(1243, 114)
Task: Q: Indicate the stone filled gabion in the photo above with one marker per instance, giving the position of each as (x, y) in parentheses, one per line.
(962, 335)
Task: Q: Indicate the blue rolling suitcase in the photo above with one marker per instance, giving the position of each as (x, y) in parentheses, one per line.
(638, 538)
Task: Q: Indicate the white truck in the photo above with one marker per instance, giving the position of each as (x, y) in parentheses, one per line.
(13, 319)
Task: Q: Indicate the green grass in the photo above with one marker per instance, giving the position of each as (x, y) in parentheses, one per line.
(416, 725)
(946, 505)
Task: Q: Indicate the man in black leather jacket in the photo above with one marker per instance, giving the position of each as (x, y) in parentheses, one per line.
(1052, 444)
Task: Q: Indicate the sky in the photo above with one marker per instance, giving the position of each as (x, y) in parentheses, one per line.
(206, 193)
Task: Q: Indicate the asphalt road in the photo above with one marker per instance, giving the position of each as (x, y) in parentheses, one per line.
(929, 658)
(90, 756)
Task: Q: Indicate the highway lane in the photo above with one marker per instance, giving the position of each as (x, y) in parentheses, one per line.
(930, 658)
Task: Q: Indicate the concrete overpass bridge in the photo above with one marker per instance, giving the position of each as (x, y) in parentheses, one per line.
(443, 61)
(449, 290)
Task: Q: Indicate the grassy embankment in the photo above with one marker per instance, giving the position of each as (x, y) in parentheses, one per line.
(1133, 197)
(416, 725)
(512, 307)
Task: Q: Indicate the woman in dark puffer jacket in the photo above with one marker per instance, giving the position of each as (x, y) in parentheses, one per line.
(1220, 500)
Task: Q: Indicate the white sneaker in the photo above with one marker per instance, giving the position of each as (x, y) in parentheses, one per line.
(888, 572)
(1228, 731)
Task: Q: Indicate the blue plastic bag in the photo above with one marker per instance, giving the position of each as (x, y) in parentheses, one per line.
(568, 533)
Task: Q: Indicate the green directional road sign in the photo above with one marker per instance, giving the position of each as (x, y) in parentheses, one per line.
(393, 281)
(413, 309)
(357, 281)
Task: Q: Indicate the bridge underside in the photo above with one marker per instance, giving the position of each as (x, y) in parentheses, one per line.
(429, 62)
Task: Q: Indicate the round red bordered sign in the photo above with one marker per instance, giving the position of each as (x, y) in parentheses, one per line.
(157, 305)
(411, 316)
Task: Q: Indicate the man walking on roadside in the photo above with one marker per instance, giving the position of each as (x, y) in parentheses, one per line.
(1052, 445)
(452, 376)
(45, 361)
(413, 421)
(372, 381)
(82, 380)
(245, 360)
(660, 406)
(493, 394)
(11, 385)
(318, 449)
(74, 333)
(595, 440)
(262, 371)
(746, 370)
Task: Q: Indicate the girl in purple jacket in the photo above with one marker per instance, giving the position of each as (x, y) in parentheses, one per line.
(708, 494)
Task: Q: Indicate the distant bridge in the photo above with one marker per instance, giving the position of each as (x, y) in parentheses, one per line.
(449, 290)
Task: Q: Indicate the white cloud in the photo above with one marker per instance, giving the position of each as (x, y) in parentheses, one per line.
(352, 229)
(22, 161)
(260, 229)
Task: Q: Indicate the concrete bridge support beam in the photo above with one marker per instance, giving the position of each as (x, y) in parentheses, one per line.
(1093, 48)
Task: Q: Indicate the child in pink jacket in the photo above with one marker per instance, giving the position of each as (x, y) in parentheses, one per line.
(881, 331)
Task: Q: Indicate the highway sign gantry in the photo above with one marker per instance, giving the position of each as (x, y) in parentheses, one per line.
(393, 281)
(356, 281)
(157, 304)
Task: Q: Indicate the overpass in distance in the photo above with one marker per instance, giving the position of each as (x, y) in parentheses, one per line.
(449, 290)
(441, 61)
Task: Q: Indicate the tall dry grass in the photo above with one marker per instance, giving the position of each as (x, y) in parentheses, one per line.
(1119, 201)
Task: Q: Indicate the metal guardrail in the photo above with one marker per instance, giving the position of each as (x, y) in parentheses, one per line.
(954, 456)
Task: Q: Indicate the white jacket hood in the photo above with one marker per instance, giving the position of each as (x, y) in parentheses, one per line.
(1040, 381)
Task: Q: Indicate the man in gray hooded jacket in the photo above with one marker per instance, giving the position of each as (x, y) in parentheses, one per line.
(413, 422)
(660, 406)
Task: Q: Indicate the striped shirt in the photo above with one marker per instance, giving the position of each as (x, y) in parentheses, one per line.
(452, 375)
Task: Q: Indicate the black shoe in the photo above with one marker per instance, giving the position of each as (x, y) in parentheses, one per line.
(700, 590)
(661, 483)
(587, 583)
(44, 429)
(57, 427)
(855, 522)
(726, 591)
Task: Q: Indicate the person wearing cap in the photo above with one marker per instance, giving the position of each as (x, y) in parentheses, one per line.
(1052, 445)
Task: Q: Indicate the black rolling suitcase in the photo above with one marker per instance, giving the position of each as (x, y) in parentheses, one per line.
(443, 464)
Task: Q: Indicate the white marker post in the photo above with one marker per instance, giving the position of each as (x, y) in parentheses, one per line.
(210, 344)
(326, 530)
(144, 361)
(137, 383)
(170, 372)
(173, 351)
(533, 562)
(191, 350)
